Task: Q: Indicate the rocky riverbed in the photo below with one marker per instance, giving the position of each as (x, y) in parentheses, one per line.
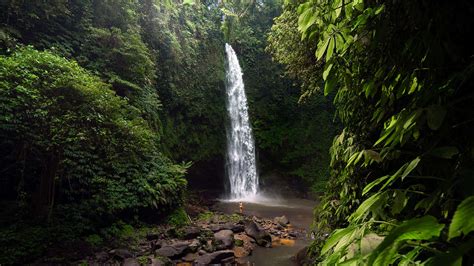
(211, 238)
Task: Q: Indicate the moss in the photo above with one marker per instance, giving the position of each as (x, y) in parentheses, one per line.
(238, 242)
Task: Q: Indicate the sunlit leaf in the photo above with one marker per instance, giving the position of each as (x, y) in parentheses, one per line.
(423, 228)
(463, 222)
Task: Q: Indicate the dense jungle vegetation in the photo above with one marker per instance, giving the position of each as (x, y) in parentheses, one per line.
(401, 186)
(113, 111)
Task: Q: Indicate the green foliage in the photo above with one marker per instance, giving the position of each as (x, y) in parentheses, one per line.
(462, 222)
(178, 218)
(401, 75)
(290, 142)
(94, 240)
(72, 128)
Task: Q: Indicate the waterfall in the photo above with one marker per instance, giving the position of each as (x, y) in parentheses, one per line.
(241, 166)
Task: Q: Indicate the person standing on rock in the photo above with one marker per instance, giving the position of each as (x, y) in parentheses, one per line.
(241, 207)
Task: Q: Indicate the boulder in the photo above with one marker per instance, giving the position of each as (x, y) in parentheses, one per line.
(190, 257)
(223, 256)
(262, 237)
(194, 245)
(152, 236)
(101, 256)
(301, 258)
(241, 252)
(224, 238)
(121, 253)
(236, 228)
(174, 251)
(130, 262)
(190, 232)
(161, 261)
(282, 220)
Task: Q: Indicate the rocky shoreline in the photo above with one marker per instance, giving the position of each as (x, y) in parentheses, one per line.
(211, 238)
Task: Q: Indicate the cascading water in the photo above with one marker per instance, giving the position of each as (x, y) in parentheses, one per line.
(241, 166)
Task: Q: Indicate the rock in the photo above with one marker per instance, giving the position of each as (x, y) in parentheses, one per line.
(209, 247)
(101, 256)
(241, 252)
(190, 257)
(247, 245)
(190, 232)
(236, 228)
(121, 253)
(195, 245)
(161, 261)
(174, 251)
(201, 252)
(130, 262)
(262, 238)
(226, 256)
(282, 220)
(252, 230)
(152, 236)
(156, 244)
(301, 258)
(238, 242)
(224, 238)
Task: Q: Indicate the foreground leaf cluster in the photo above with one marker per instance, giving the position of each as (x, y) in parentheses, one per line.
(401, 186)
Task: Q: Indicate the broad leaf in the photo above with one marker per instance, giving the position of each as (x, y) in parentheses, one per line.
(423, 228)
(375, 200)
(322, 49)
(335, 237)
(327, 70)
(374, 183)
(330, 50)
(463, 219)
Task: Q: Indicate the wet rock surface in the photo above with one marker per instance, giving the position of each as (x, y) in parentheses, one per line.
(217, 239)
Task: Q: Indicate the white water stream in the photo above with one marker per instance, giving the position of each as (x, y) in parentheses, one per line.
(241, 165)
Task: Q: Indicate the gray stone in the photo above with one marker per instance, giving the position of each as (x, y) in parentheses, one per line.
(282, 220)
(121, 253)
(224, 238)
(236, 228)
(174, 251)
(195, 245)
(190, 257)
(215, 257)
(130, 262)
(262, 237)
(101, 256)
(190, 232)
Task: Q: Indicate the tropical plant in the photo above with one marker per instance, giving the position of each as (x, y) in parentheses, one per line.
(401, 166)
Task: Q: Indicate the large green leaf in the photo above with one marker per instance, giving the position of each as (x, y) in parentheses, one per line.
(330, 50)
(322, 49)
(327, 70)
(463, 219)
(329, 85)
(369, 204)
(335, 237)
(374, 183)
(423, 228)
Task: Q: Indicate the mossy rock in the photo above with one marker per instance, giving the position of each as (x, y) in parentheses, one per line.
(238, 242)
